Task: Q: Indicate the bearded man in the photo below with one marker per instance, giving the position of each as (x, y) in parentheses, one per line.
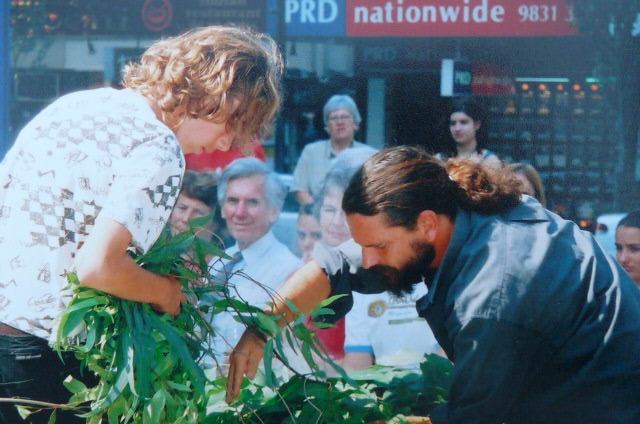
(542, 325)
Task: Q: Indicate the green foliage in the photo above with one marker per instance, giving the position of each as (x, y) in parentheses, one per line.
(146, 363)
(378, 393)
(148, 369)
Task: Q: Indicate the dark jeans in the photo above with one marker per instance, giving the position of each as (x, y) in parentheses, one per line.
(29, 368)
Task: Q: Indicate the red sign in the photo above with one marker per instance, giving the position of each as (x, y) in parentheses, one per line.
(492, 80)
(157, 14)
(459, 18)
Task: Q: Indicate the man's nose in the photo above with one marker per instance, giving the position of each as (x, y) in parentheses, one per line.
(241, 208)
(369, 258)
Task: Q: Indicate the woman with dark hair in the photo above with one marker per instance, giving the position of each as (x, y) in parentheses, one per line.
(197, 199)
(628, 244)
(466, 118)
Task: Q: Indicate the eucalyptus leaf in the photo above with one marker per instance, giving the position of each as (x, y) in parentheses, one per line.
(154, 409)
(268, 361)
(52, 417)
(73, 385)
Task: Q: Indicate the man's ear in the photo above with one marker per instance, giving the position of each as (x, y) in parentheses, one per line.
(274, 214)
(427, 225)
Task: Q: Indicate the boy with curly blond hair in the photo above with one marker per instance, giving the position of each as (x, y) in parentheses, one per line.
(99, 171)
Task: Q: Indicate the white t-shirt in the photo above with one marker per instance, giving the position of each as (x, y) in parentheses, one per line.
(389, 328)
(97, 152)
(313, 165)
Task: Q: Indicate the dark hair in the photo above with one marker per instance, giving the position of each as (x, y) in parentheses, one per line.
(632, 219)
(470, 107)
(403, 181)
(201, 186)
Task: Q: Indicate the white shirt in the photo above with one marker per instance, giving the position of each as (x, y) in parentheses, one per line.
(92, 153)
(269, 263)
(389, 328)
(313, 165)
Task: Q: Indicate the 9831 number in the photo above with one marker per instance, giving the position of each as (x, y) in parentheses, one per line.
(538, 13)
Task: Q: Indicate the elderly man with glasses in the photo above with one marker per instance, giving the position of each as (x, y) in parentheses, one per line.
(341, 120)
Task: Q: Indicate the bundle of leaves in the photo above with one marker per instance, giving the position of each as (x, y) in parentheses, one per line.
(148, 365)
(377, 394)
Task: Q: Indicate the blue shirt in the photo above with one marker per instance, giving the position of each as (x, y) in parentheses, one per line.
(541, 324)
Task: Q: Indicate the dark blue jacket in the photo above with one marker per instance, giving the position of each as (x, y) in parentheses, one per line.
(542, 325)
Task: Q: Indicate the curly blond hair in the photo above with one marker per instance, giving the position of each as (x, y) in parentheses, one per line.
(205, 72)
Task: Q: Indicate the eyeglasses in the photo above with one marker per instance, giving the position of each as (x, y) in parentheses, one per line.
(340, 118)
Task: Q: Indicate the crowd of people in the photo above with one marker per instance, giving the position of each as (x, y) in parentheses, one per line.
(451, 253)
(382, 328)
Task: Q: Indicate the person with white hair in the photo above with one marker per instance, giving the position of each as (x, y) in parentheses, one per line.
(251, 198)
(341, 121)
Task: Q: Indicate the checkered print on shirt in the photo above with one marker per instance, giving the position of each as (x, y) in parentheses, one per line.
(161, 195)
(56, 225)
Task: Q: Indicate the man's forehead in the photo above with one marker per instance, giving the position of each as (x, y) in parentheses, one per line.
(248, 182)
(370, 228)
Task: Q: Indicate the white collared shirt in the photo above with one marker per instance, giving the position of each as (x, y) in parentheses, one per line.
(269, 263)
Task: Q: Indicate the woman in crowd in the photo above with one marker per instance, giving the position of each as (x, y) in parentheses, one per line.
(342, 120)
(197, 199)
(333, 232)
(530, 180)
(465, 121)
(628, 244)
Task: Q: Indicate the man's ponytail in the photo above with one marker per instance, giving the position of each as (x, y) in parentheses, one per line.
(403, 181)
(485, 189)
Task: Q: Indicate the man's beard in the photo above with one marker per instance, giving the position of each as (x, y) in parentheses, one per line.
(400, 282)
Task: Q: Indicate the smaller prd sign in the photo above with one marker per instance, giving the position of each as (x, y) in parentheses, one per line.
(315, 18)
(455, 78)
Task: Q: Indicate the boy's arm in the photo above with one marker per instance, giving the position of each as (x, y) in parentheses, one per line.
(103, 264)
